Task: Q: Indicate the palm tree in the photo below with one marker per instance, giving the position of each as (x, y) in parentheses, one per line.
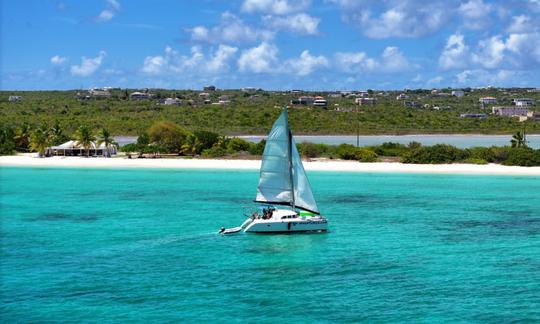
(104, 137)
(518, 140)
(22, 137)
(84, 138)
(40, 140)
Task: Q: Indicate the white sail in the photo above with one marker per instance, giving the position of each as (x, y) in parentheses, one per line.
(303, 197)
(275, 178)
(282, 178)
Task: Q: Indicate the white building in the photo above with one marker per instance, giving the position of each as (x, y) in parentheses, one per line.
(320, 102)
(458, 93)
(171, 102)
(402, 96)
(14, 98)
(510, 111)
(99, 93)
(73, 148)
(524, 102)
(488, 100)
(139, 95)
(366, 101)
(249, 89)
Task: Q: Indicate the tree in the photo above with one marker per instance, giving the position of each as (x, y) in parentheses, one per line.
(84, 137)
(518, 140)
(104, 137)
(167, 135)
(22, 137)
(57, 136)
(7, 141)
(40, 140)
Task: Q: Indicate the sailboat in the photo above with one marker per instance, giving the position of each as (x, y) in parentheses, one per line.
(284, 191)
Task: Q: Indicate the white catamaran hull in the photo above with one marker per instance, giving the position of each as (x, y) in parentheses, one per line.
(287, 225)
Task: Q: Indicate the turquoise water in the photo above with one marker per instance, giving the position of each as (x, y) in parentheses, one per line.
(141, 245)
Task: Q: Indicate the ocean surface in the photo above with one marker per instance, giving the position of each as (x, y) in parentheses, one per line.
(89, 245)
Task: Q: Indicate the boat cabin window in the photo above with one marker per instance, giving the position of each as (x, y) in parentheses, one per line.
(288, 216)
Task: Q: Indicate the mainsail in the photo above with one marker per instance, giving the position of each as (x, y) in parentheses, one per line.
(282, 179)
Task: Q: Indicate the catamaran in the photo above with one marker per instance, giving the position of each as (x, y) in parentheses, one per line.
(282, 182)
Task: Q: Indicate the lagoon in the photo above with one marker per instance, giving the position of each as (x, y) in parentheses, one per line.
(461, 141)
(141, 245)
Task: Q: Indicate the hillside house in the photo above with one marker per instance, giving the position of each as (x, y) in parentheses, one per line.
(510, 111)
(488, 100)
(171, 102)
(481, 116)
(402, 96)
(523, 102)
(140, 95)
(458, 93)
(365, 101)
(99, 93)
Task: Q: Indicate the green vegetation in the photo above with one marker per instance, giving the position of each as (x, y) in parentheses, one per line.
(255, 113)
(85, 137)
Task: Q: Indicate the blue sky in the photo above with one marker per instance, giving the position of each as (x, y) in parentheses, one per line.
(271, 44)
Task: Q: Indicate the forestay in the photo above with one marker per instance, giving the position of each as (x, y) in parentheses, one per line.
(282, 177)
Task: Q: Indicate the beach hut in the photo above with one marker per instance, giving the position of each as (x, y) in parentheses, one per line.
(73, 148)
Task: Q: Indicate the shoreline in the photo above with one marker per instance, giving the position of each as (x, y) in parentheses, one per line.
(318, 165)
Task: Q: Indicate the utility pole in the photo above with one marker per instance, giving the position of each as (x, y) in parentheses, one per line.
(357, 128)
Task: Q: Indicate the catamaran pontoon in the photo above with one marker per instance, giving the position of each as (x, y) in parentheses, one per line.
(283, 182)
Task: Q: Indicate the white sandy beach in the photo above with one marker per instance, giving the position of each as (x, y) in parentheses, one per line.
(326, 165)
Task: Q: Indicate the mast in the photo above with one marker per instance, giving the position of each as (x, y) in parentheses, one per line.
(291, 165)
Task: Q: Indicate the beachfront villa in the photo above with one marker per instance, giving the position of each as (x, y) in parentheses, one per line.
(73, 148)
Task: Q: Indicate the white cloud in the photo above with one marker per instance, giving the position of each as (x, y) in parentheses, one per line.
(276, 7)
(391, 61)
(88, 65)
(219, 60)
(434, 81)
(230, 29)
(105, 15)
(481, 77)
(112, 8)
(520, 24)
(525, 47)
(405, 18)
(306, 63)
(475, 14)
(58, 60)
(260, 59)
(490, 52)
(455, 54)
(114, 4)
(171, 62)
(299, 23)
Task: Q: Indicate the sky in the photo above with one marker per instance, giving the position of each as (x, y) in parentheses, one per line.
(269, 44)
